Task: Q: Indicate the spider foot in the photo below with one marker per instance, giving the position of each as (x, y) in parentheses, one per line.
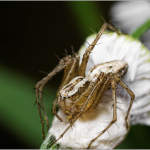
(90, 144)
(127, 124)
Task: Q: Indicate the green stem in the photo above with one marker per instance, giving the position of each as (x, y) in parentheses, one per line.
(141, 30)
(49, 140)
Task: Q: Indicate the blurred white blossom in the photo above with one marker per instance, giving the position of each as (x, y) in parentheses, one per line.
(111, 47)
(128, 16)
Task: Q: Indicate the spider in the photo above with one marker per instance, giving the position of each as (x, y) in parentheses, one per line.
(79, 93)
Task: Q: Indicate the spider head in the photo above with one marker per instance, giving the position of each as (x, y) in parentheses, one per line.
(73, 95)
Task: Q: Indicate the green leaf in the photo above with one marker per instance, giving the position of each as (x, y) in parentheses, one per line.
(141, 30)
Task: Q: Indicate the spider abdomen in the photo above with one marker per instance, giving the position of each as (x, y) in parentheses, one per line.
(117, 67)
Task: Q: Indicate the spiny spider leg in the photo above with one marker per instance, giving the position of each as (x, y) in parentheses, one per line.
(40, 85)
(90, 48)
(46, 118)
(54, 109)
(113, 86)
(38, 104)
(131, 95)
(70, 71)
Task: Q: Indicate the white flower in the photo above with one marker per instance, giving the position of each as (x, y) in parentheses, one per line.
(128, 16)
(112, 47)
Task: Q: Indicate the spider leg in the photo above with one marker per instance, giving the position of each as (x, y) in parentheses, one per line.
(70, 72)
(73, 111)
(104, 85)
(42, 121)
(113, 86)
(40, 85)
(46, 118)
(131, 95)
(91, 47)
(54, 109)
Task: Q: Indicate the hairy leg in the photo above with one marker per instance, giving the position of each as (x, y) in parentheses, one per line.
(131, 95)
(54, 109)
(91, 47)
(40, 85)
(113, 86)
(70, 72)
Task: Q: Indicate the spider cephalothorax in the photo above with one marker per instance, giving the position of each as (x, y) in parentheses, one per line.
(79, 93)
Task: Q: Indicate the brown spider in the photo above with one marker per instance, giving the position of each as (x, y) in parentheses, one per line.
(79, 93)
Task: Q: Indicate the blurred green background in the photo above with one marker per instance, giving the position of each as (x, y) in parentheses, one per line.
(31, 33)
